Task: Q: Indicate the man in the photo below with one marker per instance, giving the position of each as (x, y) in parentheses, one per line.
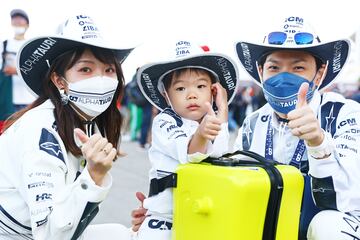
(21, 96)
(318, 133)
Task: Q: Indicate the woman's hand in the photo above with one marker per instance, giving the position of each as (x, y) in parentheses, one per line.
(99, 154)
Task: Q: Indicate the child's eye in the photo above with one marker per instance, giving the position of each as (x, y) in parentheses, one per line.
(180, 89)
(202, 86)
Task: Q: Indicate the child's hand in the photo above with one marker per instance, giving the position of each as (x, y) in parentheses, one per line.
(208, 129)
(210, 125)
(138, 215)
(221, 101)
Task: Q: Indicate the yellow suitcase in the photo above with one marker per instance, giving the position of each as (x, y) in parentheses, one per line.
(237, 198)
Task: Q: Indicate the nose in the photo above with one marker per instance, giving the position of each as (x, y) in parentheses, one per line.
(192, 95)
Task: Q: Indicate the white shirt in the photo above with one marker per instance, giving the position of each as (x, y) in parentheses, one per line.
(337, 177)
(39, 196)
(171, 135)
(21, 93)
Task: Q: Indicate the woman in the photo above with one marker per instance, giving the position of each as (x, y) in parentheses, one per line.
(56, 153)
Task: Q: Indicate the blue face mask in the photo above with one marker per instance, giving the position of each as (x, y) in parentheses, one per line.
(281, 91)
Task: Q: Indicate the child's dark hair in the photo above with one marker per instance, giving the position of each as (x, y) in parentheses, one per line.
(174, 74)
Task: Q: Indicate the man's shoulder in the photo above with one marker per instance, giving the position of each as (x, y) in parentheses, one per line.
(332, 97)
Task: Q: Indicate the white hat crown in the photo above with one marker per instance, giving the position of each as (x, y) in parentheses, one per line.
(81, 28)
(289, 34)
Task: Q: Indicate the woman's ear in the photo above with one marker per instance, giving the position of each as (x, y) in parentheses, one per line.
(57, 80)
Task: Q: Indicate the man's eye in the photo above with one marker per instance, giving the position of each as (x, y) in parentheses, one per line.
(272, 67)
(299, 68)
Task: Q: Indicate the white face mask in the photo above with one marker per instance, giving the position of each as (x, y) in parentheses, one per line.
(93, 95)
(19, 30)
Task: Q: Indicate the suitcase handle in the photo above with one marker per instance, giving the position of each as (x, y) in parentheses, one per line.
(227, 160)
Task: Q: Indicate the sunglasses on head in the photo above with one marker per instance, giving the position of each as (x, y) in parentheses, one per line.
(300, 38)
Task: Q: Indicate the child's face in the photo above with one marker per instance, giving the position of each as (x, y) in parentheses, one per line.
(188, 93)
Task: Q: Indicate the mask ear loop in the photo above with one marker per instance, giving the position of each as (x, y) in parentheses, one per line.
(324, 74)
(63, 96)
(168, 99)
(257, 69)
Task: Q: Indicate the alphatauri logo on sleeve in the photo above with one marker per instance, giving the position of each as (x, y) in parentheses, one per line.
(50, 145)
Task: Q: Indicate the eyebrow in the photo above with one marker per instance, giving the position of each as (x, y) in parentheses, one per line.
(197, 80)
(297, 60)
(85, 61)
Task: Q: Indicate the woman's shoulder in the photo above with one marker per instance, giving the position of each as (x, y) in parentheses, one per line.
(39, 117)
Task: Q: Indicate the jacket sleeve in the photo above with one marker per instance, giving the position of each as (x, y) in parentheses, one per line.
(238, 141)
(335, 180)
(58, 209)
(173, 139)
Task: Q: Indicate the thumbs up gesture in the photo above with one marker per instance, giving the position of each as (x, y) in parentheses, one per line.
(99, 154)
(303, 121)
(210, 125)
(207, 130)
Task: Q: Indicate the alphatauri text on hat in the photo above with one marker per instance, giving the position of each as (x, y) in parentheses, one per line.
(150, 88)
(37, 55)
(336, 61)
(247, 57)
(223, 64)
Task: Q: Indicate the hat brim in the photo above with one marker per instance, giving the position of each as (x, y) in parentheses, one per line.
(35, 55)
(336, 52)
(224, 67)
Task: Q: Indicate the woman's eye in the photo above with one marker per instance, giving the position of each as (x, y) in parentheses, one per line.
(110, 70)
(85, 69)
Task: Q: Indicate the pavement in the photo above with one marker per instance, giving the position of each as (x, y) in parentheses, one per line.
(130, 175)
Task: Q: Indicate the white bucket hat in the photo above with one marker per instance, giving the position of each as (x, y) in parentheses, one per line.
(184, 54)
(295, 34)
(37, 54)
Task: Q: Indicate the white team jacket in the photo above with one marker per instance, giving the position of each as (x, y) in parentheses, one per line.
(336, 180)
(39, 196)
(170, 138)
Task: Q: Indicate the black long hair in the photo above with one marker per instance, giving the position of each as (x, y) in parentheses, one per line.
(109, 122)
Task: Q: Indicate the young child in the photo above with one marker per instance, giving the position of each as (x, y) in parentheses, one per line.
(188, 129)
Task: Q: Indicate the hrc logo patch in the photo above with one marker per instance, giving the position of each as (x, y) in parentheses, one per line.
(50, 145)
